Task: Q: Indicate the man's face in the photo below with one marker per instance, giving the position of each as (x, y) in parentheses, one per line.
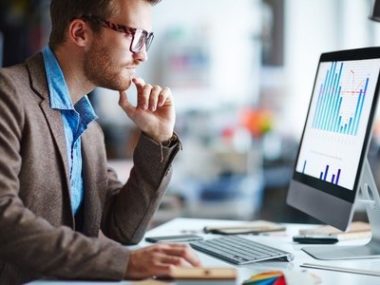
(108, 62)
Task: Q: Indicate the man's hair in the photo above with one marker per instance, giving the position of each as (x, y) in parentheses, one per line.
(62, 12)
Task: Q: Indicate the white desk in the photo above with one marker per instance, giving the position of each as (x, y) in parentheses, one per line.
(281, 241)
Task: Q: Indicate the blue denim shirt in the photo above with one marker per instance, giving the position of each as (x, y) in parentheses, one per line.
(75, 121)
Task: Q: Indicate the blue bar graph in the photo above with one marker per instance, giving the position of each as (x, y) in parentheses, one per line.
(337, 177)
(334, 178)
(326, 172)
(328, 113)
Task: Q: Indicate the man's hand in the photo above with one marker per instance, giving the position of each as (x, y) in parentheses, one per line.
(157, 260)
(154, 113)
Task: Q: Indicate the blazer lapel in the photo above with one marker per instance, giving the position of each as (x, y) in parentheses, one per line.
(92, 201)
(53, 117)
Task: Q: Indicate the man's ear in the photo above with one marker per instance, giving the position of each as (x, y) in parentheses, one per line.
(79, 32)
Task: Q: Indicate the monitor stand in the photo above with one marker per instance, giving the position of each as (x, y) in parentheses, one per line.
(369, 195)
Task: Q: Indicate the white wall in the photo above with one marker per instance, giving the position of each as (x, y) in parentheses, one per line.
(310, 28)
(229, 26)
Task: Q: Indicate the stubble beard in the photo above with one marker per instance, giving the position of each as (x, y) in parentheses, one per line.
(102, 71)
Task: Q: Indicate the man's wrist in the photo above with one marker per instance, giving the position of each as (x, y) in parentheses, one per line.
(169, 142)
(164, 140)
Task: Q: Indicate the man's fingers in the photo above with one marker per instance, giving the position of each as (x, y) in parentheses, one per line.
(143, 97)
(150, 97)
(164, 95)
(153, 98)
(182, 251)
(175, 260)
(159, 260)
(139, 82)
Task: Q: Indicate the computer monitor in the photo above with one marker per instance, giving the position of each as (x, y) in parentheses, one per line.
(332, 170)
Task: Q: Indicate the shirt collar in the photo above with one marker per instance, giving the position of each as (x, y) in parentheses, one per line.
(58, 90)
(86, 111)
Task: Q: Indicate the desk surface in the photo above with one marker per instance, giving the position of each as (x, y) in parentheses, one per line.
(278, 240)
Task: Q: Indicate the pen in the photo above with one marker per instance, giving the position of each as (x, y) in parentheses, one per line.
(341, 269)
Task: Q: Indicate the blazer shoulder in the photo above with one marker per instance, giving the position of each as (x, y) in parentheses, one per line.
(11, 101)
(26, 78)
(11, 80)
(14, 81)
(13, 75)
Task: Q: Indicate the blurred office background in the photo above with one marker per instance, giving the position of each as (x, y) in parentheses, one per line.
(241, 72)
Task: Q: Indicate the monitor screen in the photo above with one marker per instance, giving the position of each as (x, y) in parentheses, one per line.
(336, 134)
(337, 121)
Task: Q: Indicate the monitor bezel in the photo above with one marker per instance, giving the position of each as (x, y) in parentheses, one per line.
(323, 186)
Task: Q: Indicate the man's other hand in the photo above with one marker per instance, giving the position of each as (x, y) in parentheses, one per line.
(154, 113)
(157, 260)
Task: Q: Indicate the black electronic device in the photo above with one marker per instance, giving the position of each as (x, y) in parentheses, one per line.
(315, 239)
(332, 171)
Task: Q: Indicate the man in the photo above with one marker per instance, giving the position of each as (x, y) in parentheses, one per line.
(56, 192)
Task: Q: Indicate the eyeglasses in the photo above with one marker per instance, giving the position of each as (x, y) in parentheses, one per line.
(140, 37)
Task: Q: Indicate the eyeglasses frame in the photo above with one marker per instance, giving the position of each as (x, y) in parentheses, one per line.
(125, 30)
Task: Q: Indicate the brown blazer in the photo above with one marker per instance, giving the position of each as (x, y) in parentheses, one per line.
(38, 235)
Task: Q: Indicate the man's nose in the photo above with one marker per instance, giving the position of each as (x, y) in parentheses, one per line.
(141, 55)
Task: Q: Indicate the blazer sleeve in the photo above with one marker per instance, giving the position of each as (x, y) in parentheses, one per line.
(130, 207)
(29, 241)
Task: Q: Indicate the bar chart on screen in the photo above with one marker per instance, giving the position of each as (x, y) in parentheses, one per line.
(340, 104)
(327, 173)
(339, 110)
(334, 177)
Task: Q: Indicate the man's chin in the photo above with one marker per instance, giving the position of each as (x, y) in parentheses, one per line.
(120, 85)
